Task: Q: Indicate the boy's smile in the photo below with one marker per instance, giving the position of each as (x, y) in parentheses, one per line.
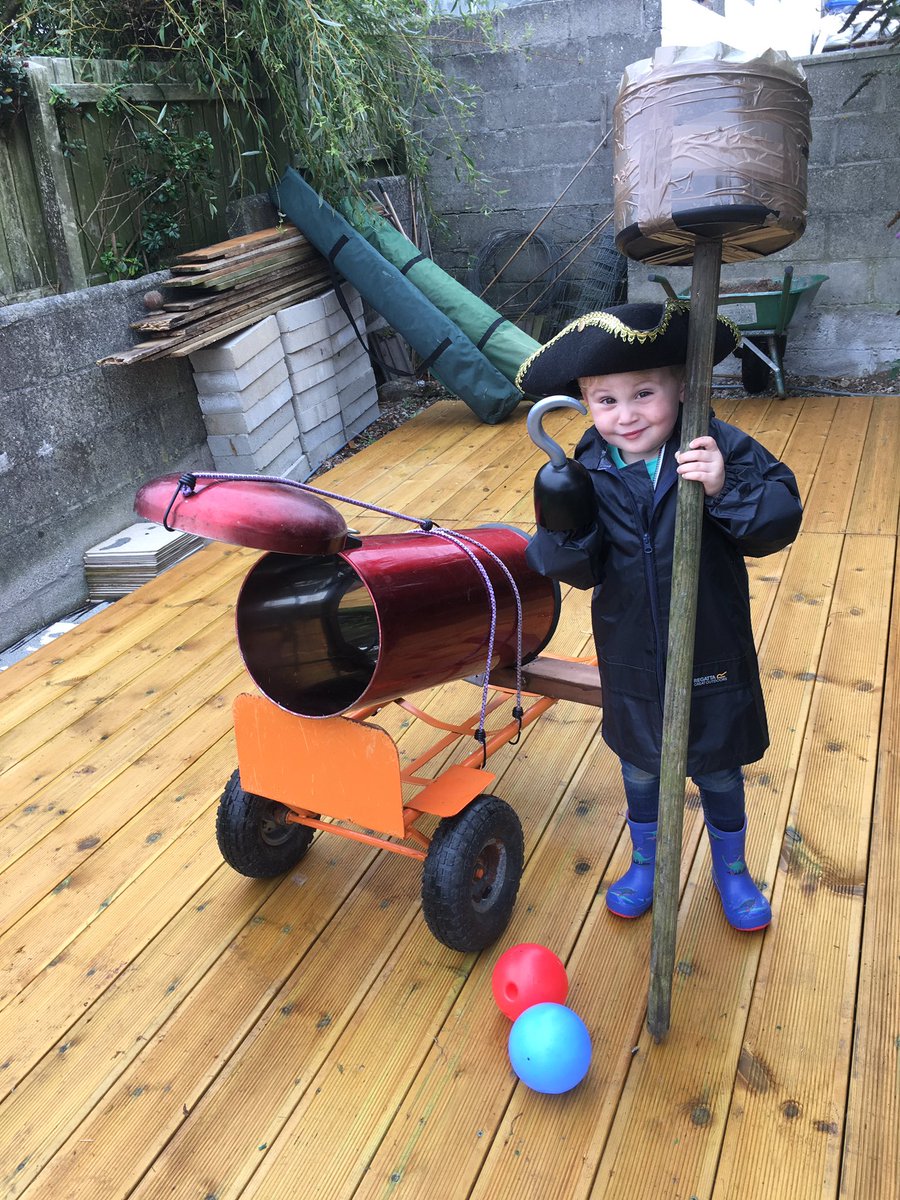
(635, 411)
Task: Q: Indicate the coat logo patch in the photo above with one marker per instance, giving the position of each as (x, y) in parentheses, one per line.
(706, 680)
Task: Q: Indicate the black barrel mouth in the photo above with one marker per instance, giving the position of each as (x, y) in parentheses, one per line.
(308, 632)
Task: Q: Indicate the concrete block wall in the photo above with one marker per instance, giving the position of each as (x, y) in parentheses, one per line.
(546, 102)
(77, 441)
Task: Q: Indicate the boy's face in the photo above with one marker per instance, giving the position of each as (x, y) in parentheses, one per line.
(635, 411)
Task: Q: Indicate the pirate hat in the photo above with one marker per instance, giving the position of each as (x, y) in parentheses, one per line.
(627, 337)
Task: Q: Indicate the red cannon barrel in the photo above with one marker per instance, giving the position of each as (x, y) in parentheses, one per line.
(328, 622)
(323, 634)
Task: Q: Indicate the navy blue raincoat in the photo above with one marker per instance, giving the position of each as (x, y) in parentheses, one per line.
(626, 556)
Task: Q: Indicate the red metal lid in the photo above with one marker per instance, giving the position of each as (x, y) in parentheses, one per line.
(256, 513)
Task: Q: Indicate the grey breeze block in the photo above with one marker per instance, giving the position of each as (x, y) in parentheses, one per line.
(283, 395)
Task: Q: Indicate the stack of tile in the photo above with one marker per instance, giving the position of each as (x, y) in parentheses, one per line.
(117, 566)
(355, 382)
(333, 386)
(287, 393)
(246, 401)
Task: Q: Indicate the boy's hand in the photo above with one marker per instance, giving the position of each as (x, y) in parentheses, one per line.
(703, 462)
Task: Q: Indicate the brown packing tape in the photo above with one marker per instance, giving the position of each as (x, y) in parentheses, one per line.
(710, 136)
(654, 169)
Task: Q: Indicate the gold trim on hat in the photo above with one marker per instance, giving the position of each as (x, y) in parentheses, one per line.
(618, 329)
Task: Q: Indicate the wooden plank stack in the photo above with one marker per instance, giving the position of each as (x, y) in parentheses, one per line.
(220, 289)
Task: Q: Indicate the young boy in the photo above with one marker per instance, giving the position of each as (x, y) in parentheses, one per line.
(627, 364)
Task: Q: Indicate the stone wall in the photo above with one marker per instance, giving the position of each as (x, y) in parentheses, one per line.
(76, 442)
(546, 103)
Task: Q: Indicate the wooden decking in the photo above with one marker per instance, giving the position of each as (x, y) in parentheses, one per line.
(170, 1028)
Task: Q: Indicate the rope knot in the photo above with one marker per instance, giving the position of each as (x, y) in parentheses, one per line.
(184, 487)
(481, 737)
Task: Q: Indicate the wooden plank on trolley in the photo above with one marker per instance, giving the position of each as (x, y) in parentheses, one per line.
(558, 678)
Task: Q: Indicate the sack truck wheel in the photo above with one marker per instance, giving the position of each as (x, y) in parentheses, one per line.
(253, 836)
(471, 874)
(755, 374)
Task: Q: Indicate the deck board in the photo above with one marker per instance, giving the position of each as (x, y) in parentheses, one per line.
(871, 1159)
(785, 1136)
(169, 1028)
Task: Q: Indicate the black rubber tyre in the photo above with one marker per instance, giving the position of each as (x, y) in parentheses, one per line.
(472, 873)
(252, 835)
(755, 374)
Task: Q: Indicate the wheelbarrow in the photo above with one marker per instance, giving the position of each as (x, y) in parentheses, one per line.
(332, 628)
(763, 317)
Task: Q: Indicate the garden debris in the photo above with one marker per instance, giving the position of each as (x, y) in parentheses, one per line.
(220, 289)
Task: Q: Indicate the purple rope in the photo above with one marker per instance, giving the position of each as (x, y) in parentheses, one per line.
(188, 481)
(518, 600)
(187, 488)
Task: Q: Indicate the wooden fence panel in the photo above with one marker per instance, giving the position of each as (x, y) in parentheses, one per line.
(27, 269)
(65, 197)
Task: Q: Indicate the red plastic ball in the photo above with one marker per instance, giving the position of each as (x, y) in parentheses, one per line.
(528, 974)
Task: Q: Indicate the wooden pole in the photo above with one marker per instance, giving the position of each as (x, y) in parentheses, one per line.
(682, 624)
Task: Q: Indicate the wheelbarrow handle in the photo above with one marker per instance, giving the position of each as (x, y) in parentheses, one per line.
(664, 283)
(534, 424)
(781, 323)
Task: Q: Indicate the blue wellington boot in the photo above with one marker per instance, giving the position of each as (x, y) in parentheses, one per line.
(746, 908)
(632, 895)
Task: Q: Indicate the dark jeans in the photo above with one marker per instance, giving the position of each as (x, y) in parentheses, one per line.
(721, 794)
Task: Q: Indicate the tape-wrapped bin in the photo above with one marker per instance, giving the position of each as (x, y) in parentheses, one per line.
(710, 143)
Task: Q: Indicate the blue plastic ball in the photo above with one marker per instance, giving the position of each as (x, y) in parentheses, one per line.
(550, 1048)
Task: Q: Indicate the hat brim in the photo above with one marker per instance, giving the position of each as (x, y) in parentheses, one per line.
(629, 337)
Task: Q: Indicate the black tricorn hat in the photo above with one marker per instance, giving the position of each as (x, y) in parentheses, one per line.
(627, 337)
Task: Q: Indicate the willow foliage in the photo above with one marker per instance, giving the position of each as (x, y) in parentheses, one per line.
(346, 81)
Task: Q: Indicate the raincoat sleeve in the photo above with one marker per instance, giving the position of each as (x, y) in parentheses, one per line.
(569, 557)
(759, 507)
